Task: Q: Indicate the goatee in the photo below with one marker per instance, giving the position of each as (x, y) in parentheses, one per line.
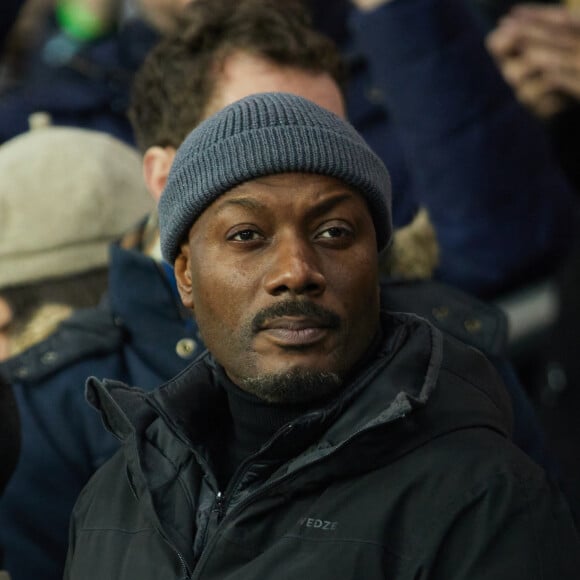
(296, 386)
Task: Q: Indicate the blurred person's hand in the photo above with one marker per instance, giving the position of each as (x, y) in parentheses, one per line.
(537, 48)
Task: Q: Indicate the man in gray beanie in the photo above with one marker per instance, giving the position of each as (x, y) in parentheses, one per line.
(260, 140)
(319, 436)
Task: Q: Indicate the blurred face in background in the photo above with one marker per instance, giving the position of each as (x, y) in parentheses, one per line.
(243, 74)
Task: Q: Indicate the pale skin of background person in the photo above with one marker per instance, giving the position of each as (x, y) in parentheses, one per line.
(537, 49)
(242, 75)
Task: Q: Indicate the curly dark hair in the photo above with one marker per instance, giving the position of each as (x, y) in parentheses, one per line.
(175, 83)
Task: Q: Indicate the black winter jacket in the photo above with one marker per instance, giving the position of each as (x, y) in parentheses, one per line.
(410, 474)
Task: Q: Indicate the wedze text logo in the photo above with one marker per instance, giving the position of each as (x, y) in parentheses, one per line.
(318, 524)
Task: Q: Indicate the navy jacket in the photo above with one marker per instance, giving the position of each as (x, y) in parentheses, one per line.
(9, 434)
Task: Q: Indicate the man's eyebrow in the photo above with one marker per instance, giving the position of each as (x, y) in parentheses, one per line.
(316, 210)
(245, 202)
(328, 204)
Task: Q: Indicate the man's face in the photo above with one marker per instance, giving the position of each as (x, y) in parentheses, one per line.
(281, 274)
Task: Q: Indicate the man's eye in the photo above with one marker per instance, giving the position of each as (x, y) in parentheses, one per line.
(245, 236)
(334, 232)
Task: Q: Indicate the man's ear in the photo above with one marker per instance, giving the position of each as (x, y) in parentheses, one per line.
(156, 165)
(182, 271)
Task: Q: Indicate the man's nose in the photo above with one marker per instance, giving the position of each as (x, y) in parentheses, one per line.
(294, 268)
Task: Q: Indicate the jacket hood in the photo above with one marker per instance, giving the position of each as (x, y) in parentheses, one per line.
(397, 384)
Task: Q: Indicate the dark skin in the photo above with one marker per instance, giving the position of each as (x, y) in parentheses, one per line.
(281, 274)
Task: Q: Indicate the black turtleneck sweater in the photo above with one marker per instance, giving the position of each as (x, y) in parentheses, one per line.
(252, 422)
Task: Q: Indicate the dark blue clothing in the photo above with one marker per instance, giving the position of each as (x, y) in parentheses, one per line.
(9, 435)
(427, 97)
(490, 11)
(63, 440)
(88, 88)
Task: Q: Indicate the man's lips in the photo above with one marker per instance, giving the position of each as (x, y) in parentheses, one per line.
(291, 331)
(295, 324)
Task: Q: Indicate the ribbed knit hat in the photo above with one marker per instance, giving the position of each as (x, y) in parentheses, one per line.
(266, 134)
(65, 194)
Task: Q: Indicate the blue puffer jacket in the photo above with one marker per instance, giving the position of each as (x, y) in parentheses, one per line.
(144, 338)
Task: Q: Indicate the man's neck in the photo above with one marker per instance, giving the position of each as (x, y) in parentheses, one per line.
(253, 421)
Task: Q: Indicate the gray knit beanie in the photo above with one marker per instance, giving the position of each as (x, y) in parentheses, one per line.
(266, 134)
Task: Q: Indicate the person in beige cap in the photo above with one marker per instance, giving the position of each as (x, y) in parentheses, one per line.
(65, 194)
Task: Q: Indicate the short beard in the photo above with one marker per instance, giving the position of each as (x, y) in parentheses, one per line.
(294, 387)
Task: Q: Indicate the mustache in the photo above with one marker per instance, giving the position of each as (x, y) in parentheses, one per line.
(325, 317)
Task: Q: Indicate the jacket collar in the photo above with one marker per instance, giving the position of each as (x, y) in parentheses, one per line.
(152, 317)
(401, 379)
(88, 332)
(139, 311)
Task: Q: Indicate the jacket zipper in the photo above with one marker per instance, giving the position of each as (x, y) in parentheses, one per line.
(183, 565)
(188, 573)
(216, 516)
(182, 562)
(222, 500)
